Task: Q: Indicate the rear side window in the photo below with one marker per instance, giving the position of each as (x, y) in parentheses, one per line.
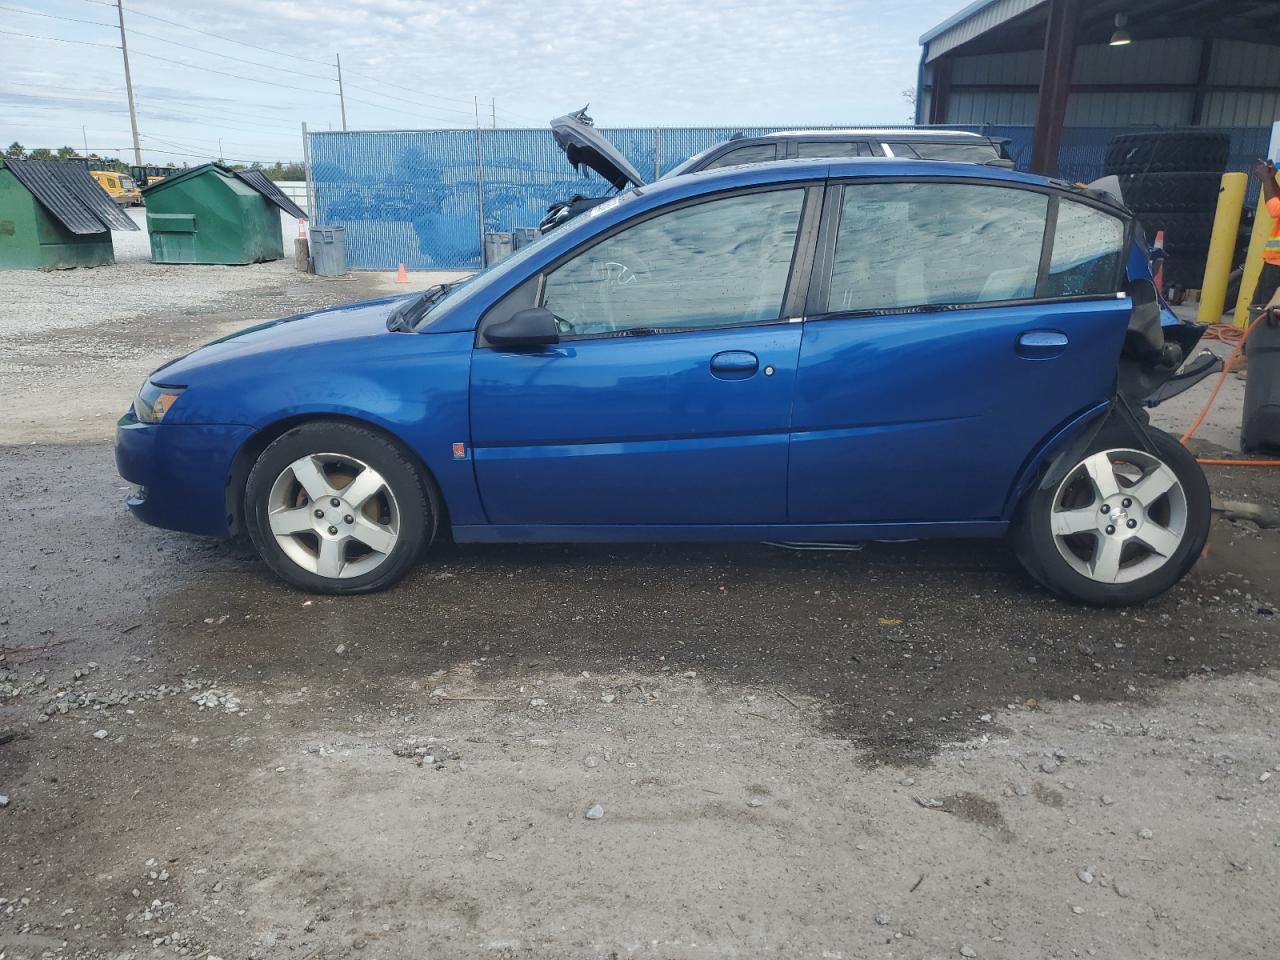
(904, 245)
(959, 152)
(1088, 250)
(833, 148)
(756, 153)
(718, 263)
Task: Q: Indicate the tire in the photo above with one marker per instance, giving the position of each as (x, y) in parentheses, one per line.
(378, 511)
(1078, 565)
(1167, 151)
(1160, 193)
(1182, 231)
(1186, 268)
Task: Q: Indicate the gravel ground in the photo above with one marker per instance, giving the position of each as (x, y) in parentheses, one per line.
(903, 751)
(75, 344)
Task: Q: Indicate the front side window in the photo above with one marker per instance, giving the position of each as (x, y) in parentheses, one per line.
(756, 153)
(717, 263)
(904, 245)
(1088, 250)
(833, 148)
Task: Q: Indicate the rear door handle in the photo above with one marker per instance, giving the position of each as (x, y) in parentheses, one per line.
(734, 365)
(1041, 344)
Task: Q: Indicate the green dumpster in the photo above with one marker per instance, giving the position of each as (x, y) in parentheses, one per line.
(213, 214)
(54, 216)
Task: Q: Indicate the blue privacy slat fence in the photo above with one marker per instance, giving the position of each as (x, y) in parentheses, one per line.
(415, 196)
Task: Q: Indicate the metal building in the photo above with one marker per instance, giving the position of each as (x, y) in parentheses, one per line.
(1076, 72)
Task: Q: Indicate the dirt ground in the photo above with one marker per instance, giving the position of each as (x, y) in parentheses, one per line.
(902, 751)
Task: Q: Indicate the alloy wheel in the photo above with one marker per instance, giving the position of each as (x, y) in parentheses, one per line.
(333, 515)
(1119, 515)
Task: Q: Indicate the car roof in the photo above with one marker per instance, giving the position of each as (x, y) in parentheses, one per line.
(888, 133)
(816, 168)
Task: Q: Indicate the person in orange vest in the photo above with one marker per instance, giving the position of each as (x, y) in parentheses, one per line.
(1269, 281)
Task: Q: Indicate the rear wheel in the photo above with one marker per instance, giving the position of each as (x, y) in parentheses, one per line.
(1123, 526)
(336, 508)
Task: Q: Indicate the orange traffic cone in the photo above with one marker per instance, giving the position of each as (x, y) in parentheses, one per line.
(401, 275)
(302, 229)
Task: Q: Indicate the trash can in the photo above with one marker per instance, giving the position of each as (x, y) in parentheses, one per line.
(329, 251)
(525, 236)
(1260, 419)
(497, 246)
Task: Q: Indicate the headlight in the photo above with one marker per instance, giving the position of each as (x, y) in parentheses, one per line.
(153, 401)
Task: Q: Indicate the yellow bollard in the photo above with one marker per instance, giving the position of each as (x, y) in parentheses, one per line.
(1222, 247)
(1253, 261)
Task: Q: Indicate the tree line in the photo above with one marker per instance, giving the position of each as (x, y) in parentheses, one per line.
(275, 171)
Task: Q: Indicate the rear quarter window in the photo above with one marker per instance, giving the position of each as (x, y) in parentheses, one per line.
(957, 152)
(1088, 251)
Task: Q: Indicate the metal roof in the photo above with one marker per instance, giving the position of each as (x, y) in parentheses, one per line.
(972, 21)
(263, 184)
(74, 198)
(1000, 26)
(254, 179)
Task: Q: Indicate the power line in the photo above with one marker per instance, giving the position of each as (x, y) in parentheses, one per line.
(174, 23)
(134, 31)
(36, 36)
(53, 16)
(237, 76)
(417, 103)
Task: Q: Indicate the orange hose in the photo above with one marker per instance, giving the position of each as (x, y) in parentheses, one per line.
(1227, 334)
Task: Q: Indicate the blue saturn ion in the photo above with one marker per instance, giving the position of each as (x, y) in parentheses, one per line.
(804, 350)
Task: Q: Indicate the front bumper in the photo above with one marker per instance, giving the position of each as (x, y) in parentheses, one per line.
(178, 473)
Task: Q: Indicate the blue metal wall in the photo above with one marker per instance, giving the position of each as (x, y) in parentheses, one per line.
(413, 196)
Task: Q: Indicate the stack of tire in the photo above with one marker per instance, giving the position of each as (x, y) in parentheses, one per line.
(1170, 180)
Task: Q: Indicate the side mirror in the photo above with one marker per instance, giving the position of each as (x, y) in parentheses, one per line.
(531, 327)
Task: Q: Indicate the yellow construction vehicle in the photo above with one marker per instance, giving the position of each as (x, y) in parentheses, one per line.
(119, 187)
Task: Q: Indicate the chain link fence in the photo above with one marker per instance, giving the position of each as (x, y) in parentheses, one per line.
(425, 198)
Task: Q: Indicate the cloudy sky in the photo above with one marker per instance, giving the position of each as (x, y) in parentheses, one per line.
(418, 64)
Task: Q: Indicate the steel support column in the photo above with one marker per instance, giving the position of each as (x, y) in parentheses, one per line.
(940, 97)
(1055, 84)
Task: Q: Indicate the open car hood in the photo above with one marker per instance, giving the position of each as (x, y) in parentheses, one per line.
(583, 144)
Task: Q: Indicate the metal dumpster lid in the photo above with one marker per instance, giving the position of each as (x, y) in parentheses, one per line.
(74, 198)
(254, 179)
(264, 185)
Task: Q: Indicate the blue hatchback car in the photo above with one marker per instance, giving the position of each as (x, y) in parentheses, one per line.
(801, 350)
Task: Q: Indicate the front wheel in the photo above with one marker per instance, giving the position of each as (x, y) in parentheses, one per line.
(336, 508)
(1124, 525)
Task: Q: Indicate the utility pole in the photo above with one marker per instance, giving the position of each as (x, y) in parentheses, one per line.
(342, 100)
(219, 149)
(128, 85)
(85, 133)
(493, 112)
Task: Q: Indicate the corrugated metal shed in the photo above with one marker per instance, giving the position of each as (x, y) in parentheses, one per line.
(974, 20)
(66, 190)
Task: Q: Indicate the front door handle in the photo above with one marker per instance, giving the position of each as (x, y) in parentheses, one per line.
(734, 365)
(1041, 344)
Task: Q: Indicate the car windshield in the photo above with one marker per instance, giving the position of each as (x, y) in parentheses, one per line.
(688, 164)
(463, 290)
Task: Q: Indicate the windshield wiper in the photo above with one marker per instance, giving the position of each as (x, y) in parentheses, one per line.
(410, 313)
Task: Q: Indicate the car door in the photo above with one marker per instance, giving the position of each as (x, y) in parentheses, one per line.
(668, 398)
(952, 327)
